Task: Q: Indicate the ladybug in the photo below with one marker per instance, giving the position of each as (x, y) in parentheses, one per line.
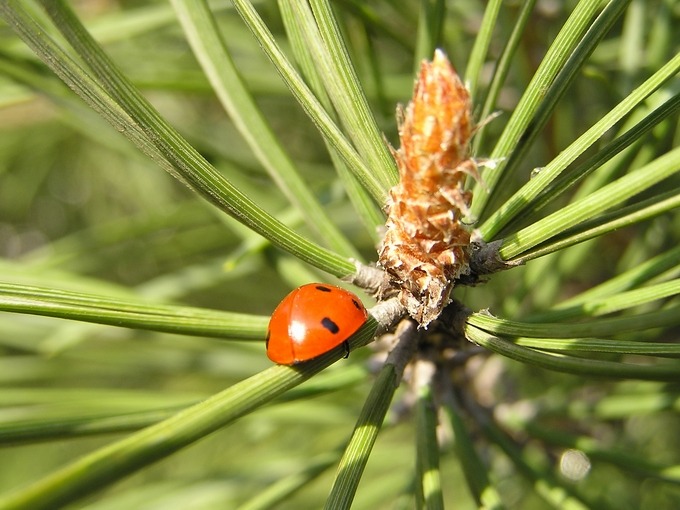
(311, 321)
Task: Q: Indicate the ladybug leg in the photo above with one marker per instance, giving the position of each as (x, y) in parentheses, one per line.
(345, 344)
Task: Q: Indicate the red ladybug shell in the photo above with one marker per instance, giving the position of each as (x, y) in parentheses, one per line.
(312, 320)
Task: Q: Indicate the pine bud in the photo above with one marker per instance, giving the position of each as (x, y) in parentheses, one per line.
(425, 245)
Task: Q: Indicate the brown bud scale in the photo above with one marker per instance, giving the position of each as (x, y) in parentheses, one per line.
(425, 245)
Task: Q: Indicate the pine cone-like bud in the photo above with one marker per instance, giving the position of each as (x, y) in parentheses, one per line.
(426, 246)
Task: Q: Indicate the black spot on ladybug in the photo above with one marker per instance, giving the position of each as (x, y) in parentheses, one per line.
(357, 305)
(330, 325)
(321, 288)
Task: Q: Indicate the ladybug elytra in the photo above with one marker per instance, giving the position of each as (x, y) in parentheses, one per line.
(311, 321)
